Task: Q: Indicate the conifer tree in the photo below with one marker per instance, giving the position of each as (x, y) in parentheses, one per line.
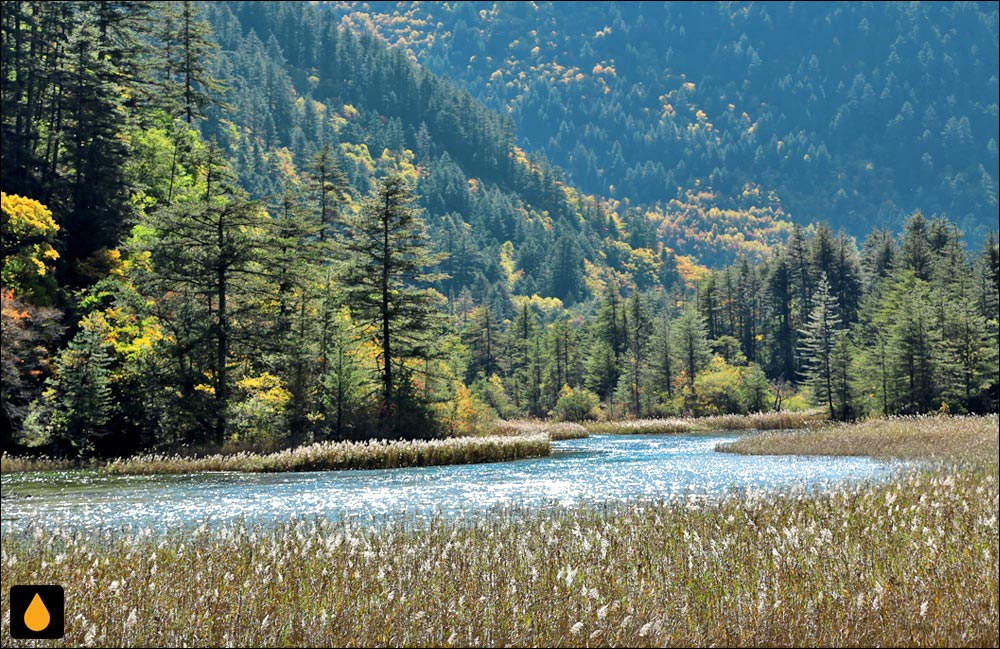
(709, 298)
(387, 267)
(204, 253)
(915, 253)
(291, 277)
(344, 384)
(638, 334)
(747, 309)
(77, 404)
(778, 291)
(662, 367)
(601, 369)
(691, 343)
(818, 341)
(842, 375)
(963, 356)
(187, 51)
(987, 274)
(609, 323)
(878, 257)
(801, 273)
(557, 372)
(481, 338)
(329, 184)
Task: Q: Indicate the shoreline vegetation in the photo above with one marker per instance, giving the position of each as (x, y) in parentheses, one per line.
(912, 561)
(909, 438)
(372, 454)
(501, 442)
(556, 430)
(782, 420)
(903, 437)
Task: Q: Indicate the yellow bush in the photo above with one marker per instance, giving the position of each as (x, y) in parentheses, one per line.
(28, 230)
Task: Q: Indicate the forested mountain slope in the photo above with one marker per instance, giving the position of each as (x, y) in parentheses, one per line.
(210, 242)
(506, 218)
(853, 113)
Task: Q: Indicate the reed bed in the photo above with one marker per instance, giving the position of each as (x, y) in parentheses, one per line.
(663, 426)
(929, 437)
(556, 430)
(782, 420)
(912, 562)
(19, 463)
(373, 454)
(642, 427)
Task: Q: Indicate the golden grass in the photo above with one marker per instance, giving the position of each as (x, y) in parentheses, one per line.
(912, 562)
(18, 464)
(556, 430)
(642, 427)
(756, 421)
(931, 437)
(763, 420)
(374, 454)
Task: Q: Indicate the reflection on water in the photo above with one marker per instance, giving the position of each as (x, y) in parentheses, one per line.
(597, 469)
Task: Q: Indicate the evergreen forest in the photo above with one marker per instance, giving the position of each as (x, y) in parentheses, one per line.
(253, 225)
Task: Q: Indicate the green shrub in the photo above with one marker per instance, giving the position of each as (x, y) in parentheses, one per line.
(576, 405)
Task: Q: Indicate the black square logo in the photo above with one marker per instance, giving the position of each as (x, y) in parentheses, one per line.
(37, 612)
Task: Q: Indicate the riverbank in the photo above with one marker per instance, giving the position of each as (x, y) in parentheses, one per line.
(373, 454)
(911, 562)
(929, 437)
(687, 425)
(556, 430)
(377, 454)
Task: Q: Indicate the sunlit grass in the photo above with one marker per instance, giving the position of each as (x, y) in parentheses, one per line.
(762, 420)
(912, 562)
(642, 427)
(556, 430)
(756, 421)
(374, 454)
(21, 463)
(961, 438)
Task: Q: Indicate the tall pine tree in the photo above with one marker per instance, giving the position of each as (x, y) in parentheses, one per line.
(386, 270)
(819, 338)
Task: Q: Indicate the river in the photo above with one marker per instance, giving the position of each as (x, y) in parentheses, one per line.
(600, 468)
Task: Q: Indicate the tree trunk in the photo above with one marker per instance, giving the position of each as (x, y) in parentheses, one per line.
(386, 343)
(222, 340)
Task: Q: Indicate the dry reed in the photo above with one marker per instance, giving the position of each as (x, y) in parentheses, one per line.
(374, 454)
(930, 437)
(912, 562)
(556, 430)
(664, 426)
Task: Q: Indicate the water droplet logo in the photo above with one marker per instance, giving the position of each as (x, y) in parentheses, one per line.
(37, 612)
(37, 616)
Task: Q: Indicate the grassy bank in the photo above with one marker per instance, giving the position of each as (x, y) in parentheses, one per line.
(953, 438)
(556, 430)
(24, 463)
(756, 421)
(913, 562)
(373, 454)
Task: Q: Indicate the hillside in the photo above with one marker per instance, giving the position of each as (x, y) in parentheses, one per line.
(248, 226)
(852, 113)
(298, 80)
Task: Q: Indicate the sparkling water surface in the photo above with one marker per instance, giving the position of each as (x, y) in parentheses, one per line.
(601, 468)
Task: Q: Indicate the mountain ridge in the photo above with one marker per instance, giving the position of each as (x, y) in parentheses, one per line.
(849, 114)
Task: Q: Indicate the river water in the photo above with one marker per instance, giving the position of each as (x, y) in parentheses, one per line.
(600, 468)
